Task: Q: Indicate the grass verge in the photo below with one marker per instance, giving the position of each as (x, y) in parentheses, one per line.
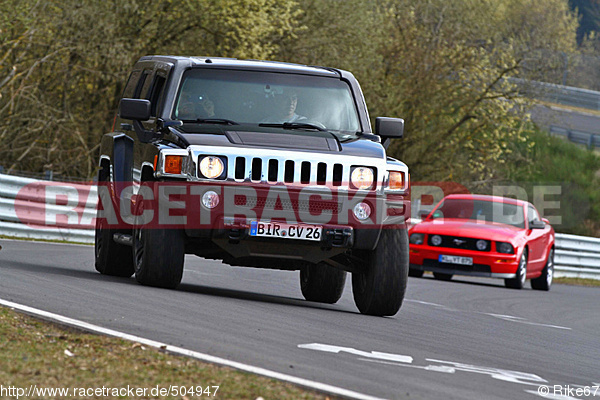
(577, 281)
(35, 352)
(44, 240)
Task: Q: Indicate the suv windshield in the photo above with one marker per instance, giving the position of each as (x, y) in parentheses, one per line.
(482, 210)
(255, 97)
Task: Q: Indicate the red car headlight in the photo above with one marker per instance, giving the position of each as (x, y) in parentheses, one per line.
(417, 238)
(505, 248)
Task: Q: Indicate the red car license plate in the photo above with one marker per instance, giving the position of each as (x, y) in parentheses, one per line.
(455, 260)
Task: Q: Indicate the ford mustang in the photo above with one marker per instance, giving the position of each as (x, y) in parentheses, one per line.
(484, 236)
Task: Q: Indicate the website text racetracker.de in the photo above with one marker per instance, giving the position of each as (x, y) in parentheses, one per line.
(127, 391)
(204, 205)
(210, 206)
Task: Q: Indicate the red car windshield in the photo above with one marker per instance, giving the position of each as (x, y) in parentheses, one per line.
(482, 210)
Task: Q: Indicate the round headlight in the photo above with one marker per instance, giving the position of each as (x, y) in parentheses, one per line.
(417, 238)
(505, 247)
(362, 177)
(211, 167)
(436, 240)
(362, 211)
(210, 199)
(481, 245)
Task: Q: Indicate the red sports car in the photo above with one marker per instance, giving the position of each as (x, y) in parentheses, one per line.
(484, 236)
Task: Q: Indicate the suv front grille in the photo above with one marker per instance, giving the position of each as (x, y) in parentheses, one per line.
(275, 170)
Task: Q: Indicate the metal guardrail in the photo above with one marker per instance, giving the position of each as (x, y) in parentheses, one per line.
(575, 256)
(30, 221)
(566, 95)
(590, 140)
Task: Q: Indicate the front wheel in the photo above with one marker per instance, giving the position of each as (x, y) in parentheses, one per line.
(519, 281)
(158, 256)
(322, 283)
(379, 289)
(544, 281)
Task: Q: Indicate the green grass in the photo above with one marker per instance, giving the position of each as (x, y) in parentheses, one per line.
(35, 352)
(577, 281)
(553, 161)
(44, 240)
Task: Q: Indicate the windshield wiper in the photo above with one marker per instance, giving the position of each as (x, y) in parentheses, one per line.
(295, 125)
(221, 121)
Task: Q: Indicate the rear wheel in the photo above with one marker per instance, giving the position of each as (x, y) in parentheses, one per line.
(322, 283)
(379, 289)
(519, 281)
(544, 281)
(442, 277)
(111, 258)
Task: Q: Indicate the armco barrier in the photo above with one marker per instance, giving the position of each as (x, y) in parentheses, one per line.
(33, 211)
(575, 256)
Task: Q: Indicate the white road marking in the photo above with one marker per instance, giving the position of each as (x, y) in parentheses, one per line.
(524, 321)
(500, 316)
(190, 353)
(496, 373)
(373, 354)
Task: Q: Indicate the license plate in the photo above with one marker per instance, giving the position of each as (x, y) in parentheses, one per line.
(455, 260)
(285, 231)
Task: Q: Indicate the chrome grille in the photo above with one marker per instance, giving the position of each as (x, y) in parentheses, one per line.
(276, 170)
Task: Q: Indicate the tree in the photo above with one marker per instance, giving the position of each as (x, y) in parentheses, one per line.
(65, 64)
(440, 65)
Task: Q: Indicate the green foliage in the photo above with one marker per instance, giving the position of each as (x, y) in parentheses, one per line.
(548, 160)
(64, 64)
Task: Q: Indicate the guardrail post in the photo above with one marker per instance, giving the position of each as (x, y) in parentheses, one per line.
(48, 175)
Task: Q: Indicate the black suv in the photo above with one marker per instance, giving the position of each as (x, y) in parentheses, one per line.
(258, 164)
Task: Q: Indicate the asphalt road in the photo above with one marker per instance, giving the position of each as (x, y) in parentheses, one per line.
(463, 339)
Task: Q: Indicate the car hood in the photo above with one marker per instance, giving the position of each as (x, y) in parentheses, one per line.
(317, 142)
(469, 228)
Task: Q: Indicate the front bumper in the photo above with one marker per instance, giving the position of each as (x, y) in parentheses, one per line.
(485, 264)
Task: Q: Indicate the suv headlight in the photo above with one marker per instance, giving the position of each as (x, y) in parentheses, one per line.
(212, 167)
(362, 177)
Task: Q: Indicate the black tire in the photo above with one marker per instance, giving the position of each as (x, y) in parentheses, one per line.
(544, 281)
(519, 281)
(380, 288)
(158, 255)
(111, 258)
(322, 283)
(415, 273)
(442, 277)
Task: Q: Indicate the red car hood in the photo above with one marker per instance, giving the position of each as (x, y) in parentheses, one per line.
(469, 228)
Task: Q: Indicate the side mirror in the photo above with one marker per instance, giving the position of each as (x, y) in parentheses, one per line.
(389, 128)
(537, 224)
(135, 109)
(546, 220)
